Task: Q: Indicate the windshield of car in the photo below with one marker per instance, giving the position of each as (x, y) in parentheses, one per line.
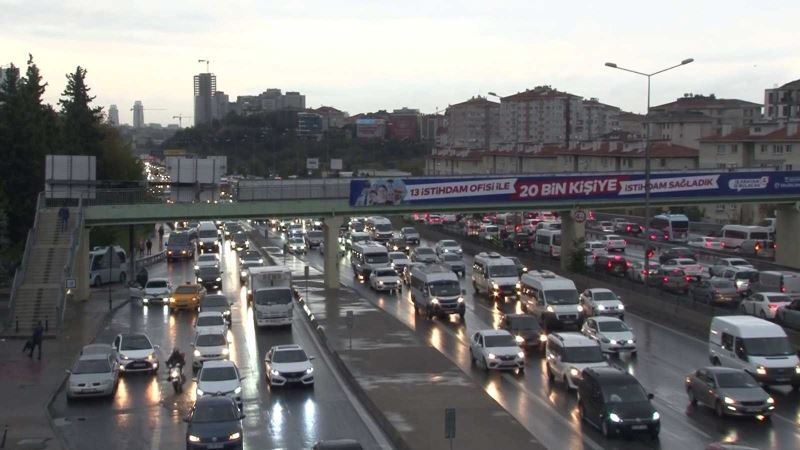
(606, 224)
(240, 236)
(758, 235)
(424, 251)
(561, 296)
(394, 256)
(409, 230)
(289, 356)
(357, 226)
(156, 284)
(208, 272)
(208, 257)
(186, 290)
(722, 284)
(315, 234)
(624, 393)
(583, 354)
(612, 326)
(135, 343)
(735, 380)
(385, 273)
(524, 323)
(746, 275)
(771, 346)
(383, 227)
(739, 262)
(207, 233)
(376, 258)
(214, 300)
(448, 244)
(210, 340)
(268, 297)
(503, 340)
(91, 366)
(296, 240)
(216, 412)
(506, 270)
(210, 321)
(179, 239)
(604, 295)
(444, 288)
(218, 374)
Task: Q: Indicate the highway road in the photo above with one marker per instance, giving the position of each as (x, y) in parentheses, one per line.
(549, 413)
(146, 413)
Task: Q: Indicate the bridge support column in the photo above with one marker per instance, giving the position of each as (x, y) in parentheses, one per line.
(787, 250)
(331, 228)
(571, 234)
(81, 270)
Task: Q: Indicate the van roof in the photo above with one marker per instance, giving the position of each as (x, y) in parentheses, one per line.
(574, 339)
(785, 273)
(747, 326)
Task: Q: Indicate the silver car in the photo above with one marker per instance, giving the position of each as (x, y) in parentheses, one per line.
(731, 392)
(95, 374)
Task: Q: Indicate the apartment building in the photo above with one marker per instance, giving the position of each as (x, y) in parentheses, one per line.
(541, 115)
(782, 102)
(473, 124)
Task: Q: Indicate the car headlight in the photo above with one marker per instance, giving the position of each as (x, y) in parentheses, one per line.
(238, 390)
(199, 280)
(797, 370)
(621, 307)
(518, 285)
(151, 356)
(243, 274)
(200, 392)
(460, 299)
(172, 299)
(274, 372)
(193, 438)
(550, 309)
(196, 267)
(770, 400)
(310, 370)
(225, 351)
(197, 353)
(656, 415)
(574, 372)
(613, 342)
(435, 301)
(380, 282)
(219, 278)
(601, 307)
(126, 357)
(761, 370)
(542, 338)
(495, 286)
(579, 307)
(614, 418)
(521, 355)
(234, 436)
(492, 356)
(519, 339)
(630, 341)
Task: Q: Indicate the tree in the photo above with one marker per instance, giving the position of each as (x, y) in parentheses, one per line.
(80, 131)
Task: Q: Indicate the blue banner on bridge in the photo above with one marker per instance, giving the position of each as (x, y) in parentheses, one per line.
(395, 191)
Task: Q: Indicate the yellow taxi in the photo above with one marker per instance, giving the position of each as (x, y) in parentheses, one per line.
(186, 296)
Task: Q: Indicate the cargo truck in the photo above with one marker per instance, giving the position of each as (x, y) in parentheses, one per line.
(270, 290)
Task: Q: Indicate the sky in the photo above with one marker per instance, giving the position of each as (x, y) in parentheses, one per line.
(365, 55)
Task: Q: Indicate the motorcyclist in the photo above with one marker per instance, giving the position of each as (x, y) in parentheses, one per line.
(176, 358)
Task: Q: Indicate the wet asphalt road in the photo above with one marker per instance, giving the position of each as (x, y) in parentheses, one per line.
(147, 414)
(665, 357)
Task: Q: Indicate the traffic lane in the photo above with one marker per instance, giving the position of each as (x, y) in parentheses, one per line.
(519, 395)
(149, 411)
(659, 368)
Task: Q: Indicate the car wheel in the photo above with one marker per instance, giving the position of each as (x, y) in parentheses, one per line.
(719, 410)
(654, 436)
(429, 313)
(692, 397)
(485, 365)
(472, 359)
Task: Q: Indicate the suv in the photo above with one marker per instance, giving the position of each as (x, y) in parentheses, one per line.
(568, 354)
(614, 401)
(676, 252)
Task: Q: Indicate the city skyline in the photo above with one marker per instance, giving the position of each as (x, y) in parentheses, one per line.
(362, 57)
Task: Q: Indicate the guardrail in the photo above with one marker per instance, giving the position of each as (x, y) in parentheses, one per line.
(149, 260)
(69, 268)
(323, 188)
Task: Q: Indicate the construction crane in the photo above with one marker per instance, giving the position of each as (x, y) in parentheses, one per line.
(180, 118)
(207, 61)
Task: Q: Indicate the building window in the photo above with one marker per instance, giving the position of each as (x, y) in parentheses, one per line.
(735, 148)
(720, 207)
(721, 149)
(763, 148)
(788, 148)
(663, 162)
(787, 167)
(777, 149)
(758, 129)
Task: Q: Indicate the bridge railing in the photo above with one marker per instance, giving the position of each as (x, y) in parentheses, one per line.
(30, 241)
(322, 188)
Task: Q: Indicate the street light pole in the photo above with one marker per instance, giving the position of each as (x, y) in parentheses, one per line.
(647, 214)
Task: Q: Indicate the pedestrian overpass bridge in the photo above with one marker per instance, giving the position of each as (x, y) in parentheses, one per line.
(335, 198)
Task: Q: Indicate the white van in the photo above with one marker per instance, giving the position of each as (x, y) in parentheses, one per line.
(779, 281)
(103, 269)
(757, 346)
(380, 228)
(366, 257)
(208, 237)
(548, 241)
(436, 291)
(552, 299)
(733, 235)
(495, 275)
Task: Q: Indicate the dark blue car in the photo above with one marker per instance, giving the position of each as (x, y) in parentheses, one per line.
(214, 422)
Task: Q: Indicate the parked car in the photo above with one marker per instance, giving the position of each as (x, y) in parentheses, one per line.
(677, 252)
(718, 291)
(764, 304)
(729, 391)
(709, 242)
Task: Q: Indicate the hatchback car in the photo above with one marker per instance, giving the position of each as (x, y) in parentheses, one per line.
(496, 350)
(731, 392)
(220, 378)
(94, 374)
(448, 246)
(675, 280)
(209, 347)
(214, 422)
(289, 364)
(613, 335)
(135, 353)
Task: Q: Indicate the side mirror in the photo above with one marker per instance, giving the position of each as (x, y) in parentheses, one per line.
(192, 345)
(68, 371)
(651, 396)
(157, 347)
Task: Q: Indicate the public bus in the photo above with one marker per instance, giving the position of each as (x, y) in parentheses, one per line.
(669, 227)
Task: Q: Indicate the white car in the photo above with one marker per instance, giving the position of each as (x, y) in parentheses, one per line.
(398, 261)
(95, 374)
(206, 260)
(209, 347)
(613, 335)
(296, 245)
(606, 227)
(210, 322)
(220, 378)
(567, 354)
(613, 242)
(602, 302)
(156, 290)
(448, 246)
(722, 264)
(384, 279)
(274, 251)
(764, 304)
(688, 265)
(496, 350)
(709, 242)
(135, 353)
(289, 364)
(594, 249)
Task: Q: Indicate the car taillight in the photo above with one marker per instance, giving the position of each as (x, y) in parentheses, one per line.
(609, 264)
(783, 288)
(628, 264)
(666, 279)
(688, 278)
(771, 306)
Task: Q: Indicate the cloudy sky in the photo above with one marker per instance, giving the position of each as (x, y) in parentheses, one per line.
(364, 55)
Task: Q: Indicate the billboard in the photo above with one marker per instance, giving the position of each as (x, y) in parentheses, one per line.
(370, 128)
(70, 176)
(571, 187)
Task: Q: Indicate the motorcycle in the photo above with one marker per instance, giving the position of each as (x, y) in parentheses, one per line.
(176, 377)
